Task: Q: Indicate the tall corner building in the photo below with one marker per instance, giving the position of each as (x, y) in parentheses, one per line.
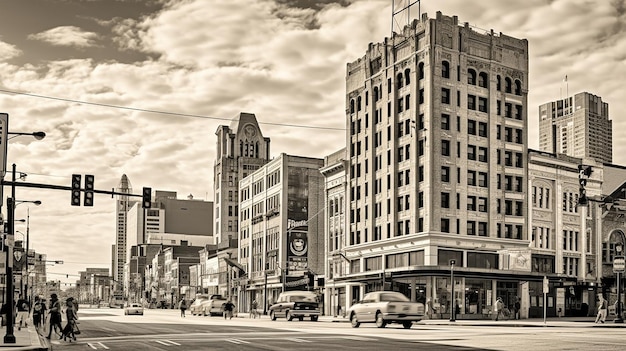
(578, 126)
(241, 150)
(436, 121)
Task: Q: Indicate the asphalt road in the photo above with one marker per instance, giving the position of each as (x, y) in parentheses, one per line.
(106, 329)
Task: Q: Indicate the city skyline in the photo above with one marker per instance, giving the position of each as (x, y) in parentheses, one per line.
(144, 57)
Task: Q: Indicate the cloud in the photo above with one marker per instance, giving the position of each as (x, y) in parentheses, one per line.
(8, 51)
(67, 36)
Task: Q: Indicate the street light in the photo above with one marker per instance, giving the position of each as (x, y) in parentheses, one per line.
(452, 302)
(36, 135)
(618, 267)
(36, 203)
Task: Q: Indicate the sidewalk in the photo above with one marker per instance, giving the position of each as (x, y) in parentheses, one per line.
(571, 322)
(25, 339)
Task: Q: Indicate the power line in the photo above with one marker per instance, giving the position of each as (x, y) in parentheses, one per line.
(178, 114)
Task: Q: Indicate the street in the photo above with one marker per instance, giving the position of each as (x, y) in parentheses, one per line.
(109, 329)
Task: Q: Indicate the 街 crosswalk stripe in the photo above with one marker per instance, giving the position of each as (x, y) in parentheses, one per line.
(97, 345)
(167, 342)
(237, 341)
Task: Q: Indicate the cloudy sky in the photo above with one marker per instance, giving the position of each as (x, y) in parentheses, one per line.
(139, 87)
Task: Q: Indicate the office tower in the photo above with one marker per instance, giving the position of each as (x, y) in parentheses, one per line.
(578, 126)
(241, 149)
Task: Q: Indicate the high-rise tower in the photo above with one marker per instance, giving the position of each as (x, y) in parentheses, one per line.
(578, 126)
(241, 149)
(123, 205)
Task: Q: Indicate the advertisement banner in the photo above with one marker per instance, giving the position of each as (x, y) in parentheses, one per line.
(297, 221)
(297, 251)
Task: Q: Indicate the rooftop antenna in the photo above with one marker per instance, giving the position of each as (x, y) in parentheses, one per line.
(401, 13)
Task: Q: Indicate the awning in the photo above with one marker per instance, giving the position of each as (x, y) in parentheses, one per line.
(235, 264)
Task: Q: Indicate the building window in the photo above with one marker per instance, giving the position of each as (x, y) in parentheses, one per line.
(445, 200)
(483, 79)
(445, 147)
(445, 69)
(445, 96)
(471, 76)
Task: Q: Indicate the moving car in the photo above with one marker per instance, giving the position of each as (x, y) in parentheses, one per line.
(196, 307)
(214, 306)
(384, 307)
(133, 308)
(296, 304)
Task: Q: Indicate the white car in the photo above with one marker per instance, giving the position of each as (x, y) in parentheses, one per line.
(133, 308)
(383, 307)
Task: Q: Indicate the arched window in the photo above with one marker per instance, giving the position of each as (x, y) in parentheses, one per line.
(399, 80)
(471, 76)
(518, 87)
(498, 83)
(445, 69)
(507, 85)
(352, 106)
(483, 79)
(407, 76)
(358, 103)
(375, 93)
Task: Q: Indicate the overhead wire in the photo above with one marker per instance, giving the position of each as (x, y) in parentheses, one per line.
(178, 114)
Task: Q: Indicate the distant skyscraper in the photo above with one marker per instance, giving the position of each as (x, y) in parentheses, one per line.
(122, 207)
(577, 126)
(241, 149)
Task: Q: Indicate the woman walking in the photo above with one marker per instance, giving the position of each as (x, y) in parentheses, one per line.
(55, 315)
(71, 316)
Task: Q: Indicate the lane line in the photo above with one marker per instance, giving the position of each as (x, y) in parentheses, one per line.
(298, 340)
(103, 346)
(237, 341)
(162, 343)
(172, 342)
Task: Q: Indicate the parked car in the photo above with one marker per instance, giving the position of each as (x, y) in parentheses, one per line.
(214, 306)
(196, 307)
(133, 308)
(384, 307)
(295, 304)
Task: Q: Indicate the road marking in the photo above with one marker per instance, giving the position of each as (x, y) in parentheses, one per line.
(358, 338)
(237, 341)
(96, 345)
(167, 342)
(298, 340)
(109, 329)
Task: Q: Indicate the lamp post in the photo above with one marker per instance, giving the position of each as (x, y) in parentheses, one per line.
(452, 302)
(37, 203)
(618, 267)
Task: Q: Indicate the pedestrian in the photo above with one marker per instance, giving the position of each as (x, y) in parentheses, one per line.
(23, 311)
(499, 307)
(182, 304)
(71, 317)
(39, 310)
(517, 307)
(55, 315)
(253, 309)
(602, 305)
(228, 309)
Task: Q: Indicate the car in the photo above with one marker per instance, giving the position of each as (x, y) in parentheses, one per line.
(214, 306)
(384, 307)
(133, 308)
(196, 307)
(296, 304)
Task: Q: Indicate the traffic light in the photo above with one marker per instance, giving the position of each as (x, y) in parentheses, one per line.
(146, 197)
(89, 188)
(76, 189)
(582, 197)
(584, 172)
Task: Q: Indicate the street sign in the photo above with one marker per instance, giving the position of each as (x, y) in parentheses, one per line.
(619, 264)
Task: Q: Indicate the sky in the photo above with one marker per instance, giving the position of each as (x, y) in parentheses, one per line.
(139, 87)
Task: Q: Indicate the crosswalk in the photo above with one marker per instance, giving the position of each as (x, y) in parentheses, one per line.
(170, 343)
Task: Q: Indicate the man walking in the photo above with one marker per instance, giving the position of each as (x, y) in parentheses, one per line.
(23, 311)
(602, 306)
(182, 304)
(55, 315)
(499, 307)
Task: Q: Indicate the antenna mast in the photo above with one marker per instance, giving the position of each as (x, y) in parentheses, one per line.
(401, 14)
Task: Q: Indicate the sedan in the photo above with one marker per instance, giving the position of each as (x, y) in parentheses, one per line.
(133, 308)
(384, 307)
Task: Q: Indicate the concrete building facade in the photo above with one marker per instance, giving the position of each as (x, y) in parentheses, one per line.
(577, 126)
(437, 165)
(241, 149)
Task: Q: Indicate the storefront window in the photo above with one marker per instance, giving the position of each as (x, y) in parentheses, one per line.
(444, 257)
(477, 296)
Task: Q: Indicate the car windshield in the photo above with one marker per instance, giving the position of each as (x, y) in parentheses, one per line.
(302, 298)
(393, 297)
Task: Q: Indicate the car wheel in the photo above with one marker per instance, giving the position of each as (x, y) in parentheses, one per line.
(380, 321)
(353, 321)
(301, 318)
(407, 325)
(289, 316)
(126, 313)
(313, 318)
(272, 316)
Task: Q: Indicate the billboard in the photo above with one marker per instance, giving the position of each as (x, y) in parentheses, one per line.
(297, 221)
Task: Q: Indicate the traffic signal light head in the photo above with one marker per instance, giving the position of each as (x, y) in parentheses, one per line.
(146, 197)
(89, 188)
(76, 189)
